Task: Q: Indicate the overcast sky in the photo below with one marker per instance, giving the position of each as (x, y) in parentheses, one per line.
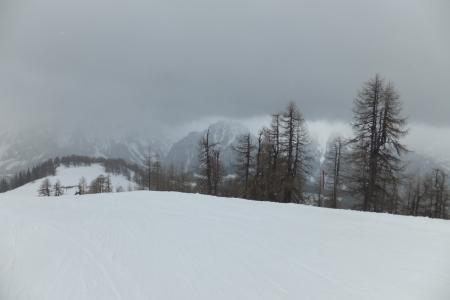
(164, 63)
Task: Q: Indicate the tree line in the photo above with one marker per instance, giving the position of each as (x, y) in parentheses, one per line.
(47, 168)
(367, 170)
(101, 184)
(272, 168)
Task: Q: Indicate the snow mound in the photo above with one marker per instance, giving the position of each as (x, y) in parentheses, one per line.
(156, 245)
(70, 177)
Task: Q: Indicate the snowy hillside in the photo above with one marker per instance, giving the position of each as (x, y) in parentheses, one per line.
(70, 177)
(155, 245)
(21, 149)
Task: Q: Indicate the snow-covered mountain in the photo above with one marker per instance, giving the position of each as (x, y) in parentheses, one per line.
(22, 149)
(184, 153)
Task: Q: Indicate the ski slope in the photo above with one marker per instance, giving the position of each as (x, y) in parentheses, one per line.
(160, 245)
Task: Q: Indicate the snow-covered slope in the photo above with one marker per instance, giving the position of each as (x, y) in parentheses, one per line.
(70, 177)
(150, 245)
(21, 149)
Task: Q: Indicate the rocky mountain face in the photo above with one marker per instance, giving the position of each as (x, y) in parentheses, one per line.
(184, 153)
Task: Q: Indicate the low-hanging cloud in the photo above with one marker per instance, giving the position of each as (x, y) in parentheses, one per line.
(158, 64)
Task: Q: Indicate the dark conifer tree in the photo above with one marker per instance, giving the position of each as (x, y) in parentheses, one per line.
(244, 150)
(333, 169)
(378, 127)
(294, 138)
(206, 159)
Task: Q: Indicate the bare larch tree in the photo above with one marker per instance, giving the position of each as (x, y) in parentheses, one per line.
(378, 128)
(244, 149)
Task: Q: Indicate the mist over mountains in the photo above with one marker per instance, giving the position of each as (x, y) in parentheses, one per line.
(24, 148)
(21, 149)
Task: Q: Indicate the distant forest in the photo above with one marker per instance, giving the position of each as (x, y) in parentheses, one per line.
(366, 170)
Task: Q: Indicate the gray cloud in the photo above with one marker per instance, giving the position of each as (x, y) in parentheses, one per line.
(157, 64)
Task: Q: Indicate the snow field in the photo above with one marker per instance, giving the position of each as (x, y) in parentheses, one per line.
(156, 245)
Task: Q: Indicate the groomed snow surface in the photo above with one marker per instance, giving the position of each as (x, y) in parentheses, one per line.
(156, 245)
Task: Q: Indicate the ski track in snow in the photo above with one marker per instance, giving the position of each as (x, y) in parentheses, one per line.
(156, 245)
